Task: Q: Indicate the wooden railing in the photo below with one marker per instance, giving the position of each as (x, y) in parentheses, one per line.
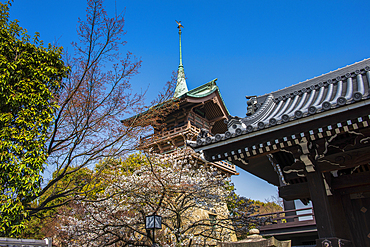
(164, 134)
(288, 219)
(176, 154)
(226, 166)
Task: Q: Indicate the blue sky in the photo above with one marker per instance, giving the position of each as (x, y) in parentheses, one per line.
(252, 47)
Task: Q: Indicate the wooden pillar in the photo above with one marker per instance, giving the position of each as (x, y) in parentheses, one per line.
(289, 205)
(321, 206)
(330, 234)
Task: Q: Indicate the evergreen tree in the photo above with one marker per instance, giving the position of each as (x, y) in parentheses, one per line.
(30, 79)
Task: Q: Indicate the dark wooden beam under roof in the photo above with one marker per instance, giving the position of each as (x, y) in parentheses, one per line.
(267, 139)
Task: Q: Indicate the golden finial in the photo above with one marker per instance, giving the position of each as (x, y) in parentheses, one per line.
(179, 25)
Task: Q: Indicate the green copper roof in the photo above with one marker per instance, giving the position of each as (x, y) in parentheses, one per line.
(198, 92)
(205, 90)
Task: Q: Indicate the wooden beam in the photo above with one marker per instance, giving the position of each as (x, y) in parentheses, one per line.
(278, 131)
(352, 190)
(195, 106)
(352, 180)
(294, 191)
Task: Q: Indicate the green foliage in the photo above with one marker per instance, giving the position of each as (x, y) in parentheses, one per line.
(30, 77)
(121, 166)
(267, 207)
(44, 223)
(241, 206)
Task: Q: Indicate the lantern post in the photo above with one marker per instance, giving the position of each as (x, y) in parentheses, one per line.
(153, 222)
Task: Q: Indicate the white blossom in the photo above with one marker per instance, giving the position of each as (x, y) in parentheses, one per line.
(181, 194)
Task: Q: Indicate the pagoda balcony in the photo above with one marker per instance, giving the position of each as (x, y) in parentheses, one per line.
(170, 151)
(187, 128)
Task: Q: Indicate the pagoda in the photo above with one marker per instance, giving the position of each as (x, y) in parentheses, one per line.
(200, 110)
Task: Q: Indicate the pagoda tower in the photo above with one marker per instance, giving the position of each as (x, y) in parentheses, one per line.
(201, 113)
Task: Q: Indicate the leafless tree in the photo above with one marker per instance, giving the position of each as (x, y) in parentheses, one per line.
(92, 102)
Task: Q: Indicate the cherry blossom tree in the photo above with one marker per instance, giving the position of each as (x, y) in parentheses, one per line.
(192, 200)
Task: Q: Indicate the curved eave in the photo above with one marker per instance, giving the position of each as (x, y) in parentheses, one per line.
(206, 92)
(223, 102)
(340, 88)
(200, 96)
(343, 89)
(214, 94)
(203, 89)
(274, 130)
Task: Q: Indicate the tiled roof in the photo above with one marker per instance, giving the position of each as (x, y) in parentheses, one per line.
(324, 93)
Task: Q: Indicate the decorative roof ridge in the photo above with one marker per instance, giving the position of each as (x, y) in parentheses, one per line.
(324, 77)
(263, 110)
(349, 65)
